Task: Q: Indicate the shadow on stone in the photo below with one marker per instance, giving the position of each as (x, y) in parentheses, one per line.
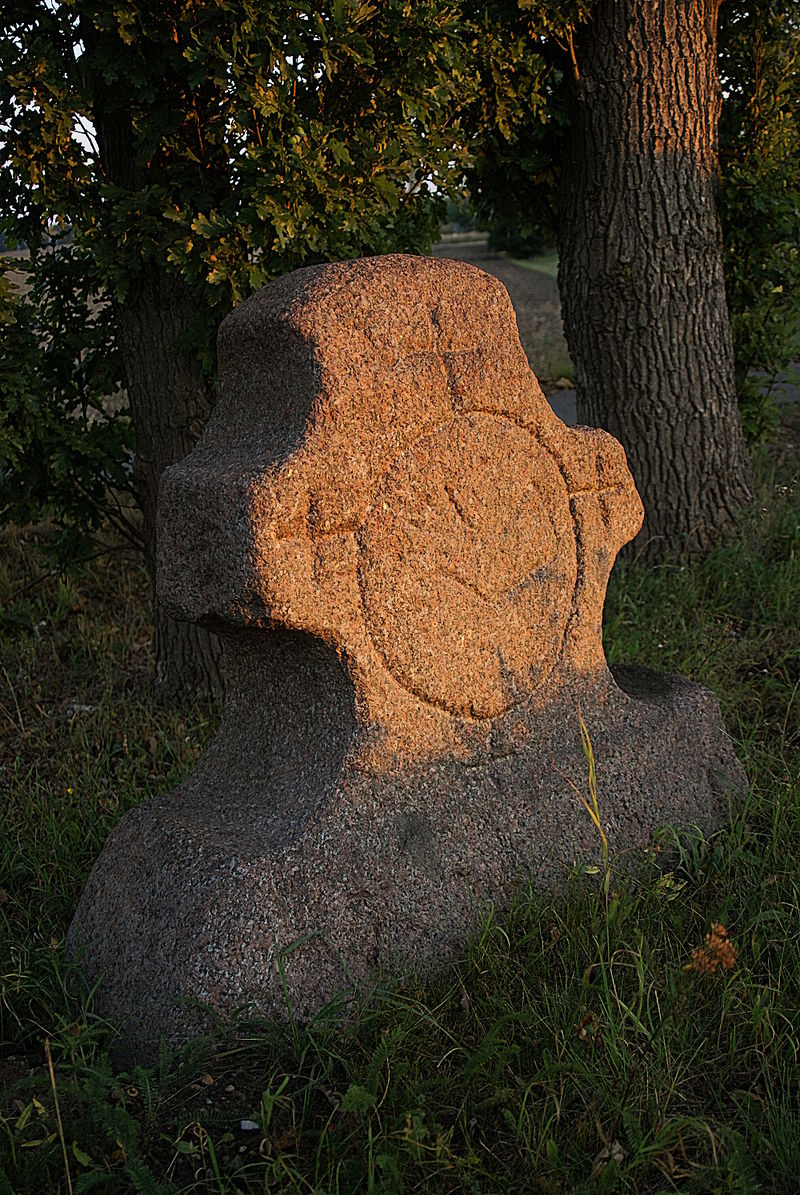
(289, 723)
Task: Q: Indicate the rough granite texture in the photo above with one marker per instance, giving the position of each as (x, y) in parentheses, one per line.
(406, 553)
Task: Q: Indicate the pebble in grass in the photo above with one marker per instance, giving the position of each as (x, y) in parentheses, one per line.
(406, 554)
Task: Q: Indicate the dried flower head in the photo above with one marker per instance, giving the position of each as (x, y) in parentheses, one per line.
(717, 951)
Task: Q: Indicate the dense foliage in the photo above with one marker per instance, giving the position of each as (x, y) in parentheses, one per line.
(220, 143)
(224, 144)
(513, 172)
(65, 436)
(760, 192)
(259, 137)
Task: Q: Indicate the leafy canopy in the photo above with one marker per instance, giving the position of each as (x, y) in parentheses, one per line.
(235, 140)
(760, 191)
(224, 142)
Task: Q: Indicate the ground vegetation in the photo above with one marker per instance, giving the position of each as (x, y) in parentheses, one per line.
(634, 1034)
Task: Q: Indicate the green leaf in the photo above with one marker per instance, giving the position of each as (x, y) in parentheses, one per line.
(81, 1158)
(357, 1099)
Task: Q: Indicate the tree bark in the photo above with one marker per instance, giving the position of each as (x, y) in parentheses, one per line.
(169, 398)
(170, 402)
(640, 272)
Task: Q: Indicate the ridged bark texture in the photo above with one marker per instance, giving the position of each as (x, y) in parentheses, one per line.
(169, 403)
(169, 398)
(640, 273)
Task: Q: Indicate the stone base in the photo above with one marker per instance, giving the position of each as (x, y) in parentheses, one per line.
(198, 891)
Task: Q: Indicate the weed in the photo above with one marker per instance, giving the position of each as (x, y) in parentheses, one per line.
(567, 1049)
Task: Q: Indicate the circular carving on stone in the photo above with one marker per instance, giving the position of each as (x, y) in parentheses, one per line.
(468, 565)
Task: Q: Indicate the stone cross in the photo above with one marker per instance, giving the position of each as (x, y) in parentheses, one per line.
(406, 554)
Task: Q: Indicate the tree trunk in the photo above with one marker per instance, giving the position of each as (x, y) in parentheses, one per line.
(170, 402)
(168, 396)
(640, 272)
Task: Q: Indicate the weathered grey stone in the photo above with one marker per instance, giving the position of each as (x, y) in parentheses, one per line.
(406, 554)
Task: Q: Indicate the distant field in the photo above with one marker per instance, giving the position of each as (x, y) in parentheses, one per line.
(546, 264)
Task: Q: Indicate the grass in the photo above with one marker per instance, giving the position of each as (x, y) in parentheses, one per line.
(546, 263)
(574, 1047)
